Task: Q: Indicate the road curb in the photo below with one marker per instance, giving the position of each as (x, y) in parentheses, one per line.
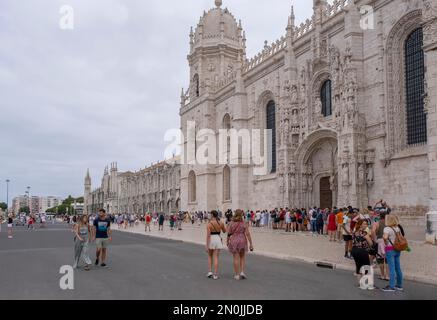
(286, 257)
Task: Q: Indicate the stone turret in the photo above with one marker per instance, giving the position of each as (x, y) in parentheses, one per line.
(87, 190)
(215, 46)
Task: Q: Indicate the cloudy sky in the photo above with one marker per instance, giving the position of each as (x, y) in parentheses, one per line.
(105, 91)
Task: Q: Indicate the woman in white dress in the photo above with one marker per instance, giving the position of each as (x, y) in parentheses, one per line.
(214, 243)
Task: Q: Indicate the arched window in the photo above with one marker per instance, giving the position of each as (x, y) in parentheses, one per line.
(227, 121)
(271, 125)
(326, 98)
(227, 126)
(192, 187)
(226, 183)
(196, 84)
(414, 77)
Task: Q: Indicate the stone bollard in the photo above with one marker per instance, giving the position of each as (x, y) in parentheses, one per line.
(431, 227)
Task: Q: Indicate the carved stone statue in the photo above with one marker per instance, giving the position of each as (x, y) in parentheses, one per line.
(361, 174)
(345, 174)
(332, 182)
(292, 168)
(292, 182)
(310, 183)
(303, 94)
(304, 182)
(370, 174)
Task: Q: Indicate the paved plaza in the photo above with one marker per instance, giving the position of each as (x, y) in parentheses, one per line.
(418, 265)
(144, 267)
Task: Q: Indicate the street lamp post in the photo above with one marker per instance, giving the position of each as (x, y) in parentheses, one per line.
(7, 196)
(28, 199)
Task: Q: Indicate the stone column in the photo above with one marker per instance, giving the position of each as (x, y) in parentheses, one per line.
(430, 48)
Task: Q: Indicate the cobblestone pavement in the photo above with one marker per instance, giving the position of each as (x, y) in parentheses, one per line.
(420, 264)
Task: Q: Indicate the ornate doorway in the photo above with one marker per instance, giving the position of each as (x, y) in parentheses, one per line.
(325, 193)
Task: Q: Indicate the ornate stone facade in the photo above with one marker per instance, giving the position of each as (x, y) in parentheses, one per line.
(355, 155)
(355, 152)
(154, 189)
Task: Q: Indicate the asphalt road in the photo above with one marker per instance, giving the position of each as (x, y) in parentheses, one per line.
(141, 267)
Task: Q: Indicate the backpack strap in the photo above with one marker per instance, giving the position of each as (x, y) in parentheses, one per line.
(396, 234)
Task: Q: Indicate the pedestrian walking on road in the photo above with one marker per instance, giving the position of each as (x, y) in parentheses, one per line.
(103, 235)
(238, 237)
(214, 243)
(10, 225)
(82, 232)
(30, 223)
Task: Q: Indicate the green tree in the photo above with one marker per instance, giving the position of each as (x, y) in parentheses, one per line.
(25, 210)
(62, 209)
(51, 210)
(3, 206)
(68, 201)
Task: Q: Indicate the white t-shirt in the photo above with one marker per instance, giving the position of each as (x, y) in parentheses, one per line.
(391, 234)
(347, 225)
(311, 215)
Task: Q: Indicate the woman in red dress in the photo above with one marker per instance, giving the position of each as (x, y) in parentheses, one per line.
(332, 226)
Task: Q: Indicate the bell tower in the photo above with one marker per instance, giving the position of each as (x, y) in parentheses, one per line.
(87, 192)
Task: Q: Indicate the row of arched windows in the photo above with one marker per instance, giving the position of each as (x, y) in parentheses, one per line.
(192, 185)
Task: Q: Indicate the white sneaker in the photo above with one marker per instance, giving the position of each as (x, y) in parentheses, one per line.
(215, 277)
(237, 277)
(210, 275)
(243, 276)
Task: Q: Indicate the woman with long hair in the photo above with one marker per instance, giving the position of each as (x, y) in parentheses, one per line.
(361, 244)
(82, 235)
(214, 243)
(238, 237)
(392, 231)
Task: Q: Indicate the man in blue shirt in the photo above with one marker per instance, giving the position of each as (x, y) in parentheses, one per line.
(102, 235)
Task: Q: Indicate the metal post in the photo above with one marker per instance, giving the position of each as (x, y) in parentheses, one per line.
(7, 196)
(28, 198)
